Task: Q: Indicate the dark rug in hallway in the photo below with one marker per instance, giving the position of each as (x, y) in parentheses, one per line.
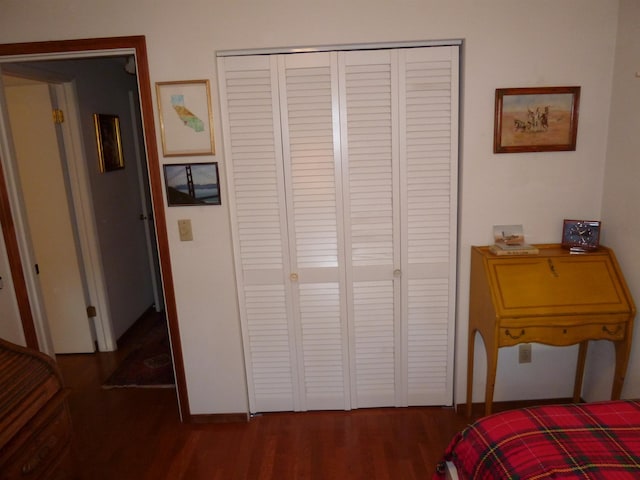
(147, 365)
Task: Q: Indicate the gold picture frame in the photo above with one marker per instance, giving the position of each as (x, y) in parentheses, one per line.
(536, 119)
(186, 118)
(109, 142)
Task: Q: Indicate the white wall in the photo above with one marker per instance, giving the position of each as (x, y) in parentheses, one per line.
(621, 184)
(508, 43)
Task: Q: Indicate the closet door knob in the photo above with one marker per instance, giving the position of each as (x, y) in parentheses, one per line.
(293, 277)
(397, 272)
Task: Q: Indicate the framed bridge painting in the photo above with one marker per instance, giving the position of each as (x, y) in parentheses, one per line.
(192, 184)
(540, 119)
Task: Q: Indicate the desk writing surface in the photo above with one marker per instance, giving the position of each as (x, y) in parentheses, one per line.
(556, 283)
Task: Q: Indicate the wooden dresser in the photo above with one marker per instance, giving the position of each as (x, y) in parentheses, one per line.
(555, 298)
(35, 426)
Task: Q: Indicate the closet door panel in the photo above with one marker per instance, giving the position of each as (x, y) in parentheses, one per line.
(370, 168)
(429, 118)
(308, 87)
(374, 340)
(252, 139)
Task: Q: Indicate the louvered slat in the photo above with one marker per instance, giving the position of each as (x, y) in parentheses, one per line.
(427, 320)
(311, 156)
(322, 340)
(375, 351)
(428, 144)
(270, 347)
(369, 139)
(255, 169)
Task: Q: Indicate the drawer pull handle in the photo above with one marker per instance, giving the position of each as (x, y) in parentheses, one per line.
(611, 332)
(515, 337)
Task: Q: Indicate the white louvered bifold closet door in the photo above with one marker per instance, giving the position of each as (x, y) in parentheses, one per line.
(308, 94)
(287, 228)
(399, 144)
(429, 79)
(253, 144)
(369, 120)
(342, 175)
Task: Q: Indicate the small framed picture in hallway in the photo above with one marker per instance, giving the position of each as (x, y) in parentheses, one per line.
(109, 142)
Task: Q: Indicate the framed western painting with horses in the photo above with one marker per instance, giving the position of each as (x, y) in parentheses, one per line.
(540, 119)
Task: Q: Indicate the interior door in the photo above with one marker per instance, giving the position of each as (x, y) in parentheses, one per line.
(42, 179)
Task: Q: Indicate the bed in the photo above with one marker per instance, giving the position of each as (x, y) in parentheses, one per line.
(577, 441)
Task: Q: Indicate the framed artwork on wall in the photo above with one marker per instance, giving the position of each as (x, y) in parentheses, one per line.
(186, 119)
(192, 184)
(540, 119)
(109, 142)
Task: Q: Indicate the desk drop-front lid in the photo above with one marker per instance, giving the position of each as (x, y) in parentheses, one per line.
(557, 283)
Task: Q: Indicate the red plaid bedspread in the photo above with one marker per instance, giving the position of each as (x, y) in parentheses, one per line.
(581, 441)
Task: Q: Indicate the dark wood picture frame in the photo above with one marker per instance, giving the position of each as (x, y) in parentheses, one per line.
(109, 142)
(583, 235)
(189, 184)
(537, 119)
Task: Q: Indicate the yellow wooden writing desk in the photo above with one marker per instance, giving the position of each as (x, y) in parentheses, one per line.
(556, 298)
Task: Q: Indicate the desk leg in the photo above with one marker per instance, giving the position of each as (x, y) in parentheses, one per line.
(470, 353)
(492, 364)
(623, 350)
(582, 357)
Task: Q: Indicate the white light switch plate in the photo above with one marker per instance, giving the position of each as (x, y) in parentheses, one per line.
(184, 227)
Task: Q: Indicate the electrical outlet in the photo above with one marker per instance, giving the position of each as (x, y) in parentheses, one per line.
(524, 353)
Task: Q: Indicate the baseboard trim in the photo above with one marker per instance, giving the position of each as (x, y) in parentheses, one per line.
(478, 408)
(461, 408)
(219, 418)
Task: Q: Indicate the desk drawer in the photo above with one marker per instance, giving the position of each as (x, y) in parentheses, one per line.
(33, 452)
(560, 336)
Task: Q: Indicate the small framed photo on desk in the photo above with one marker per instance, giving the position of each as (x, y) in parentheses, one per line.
(581, 235)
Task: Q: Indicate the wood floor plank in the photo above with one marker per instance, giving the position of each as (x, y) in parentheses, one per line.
(136, 434)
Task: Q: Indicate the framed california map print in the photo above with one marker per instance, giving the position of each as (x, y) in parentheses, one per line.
(186, 119)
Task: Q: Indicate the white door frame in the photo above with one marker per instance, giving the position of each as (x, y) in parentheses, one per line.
(89, 48)
(145, 215)
(64, 97)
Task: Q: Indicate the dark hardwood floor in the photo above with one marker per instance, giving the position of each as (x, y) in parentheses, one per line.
(136, 434)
